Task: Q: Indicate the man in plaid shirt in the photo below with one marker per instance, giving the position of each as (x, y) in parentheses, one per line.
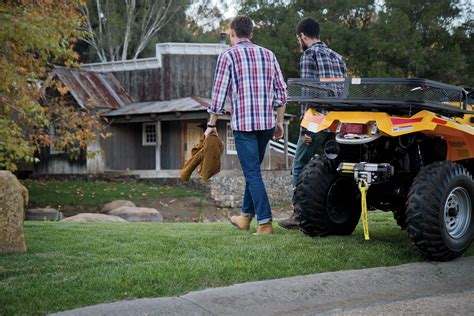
(251, 77)
(317, 61)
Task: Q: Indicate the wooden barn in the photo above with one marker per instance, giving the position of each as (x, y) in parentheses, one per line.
(155, 109)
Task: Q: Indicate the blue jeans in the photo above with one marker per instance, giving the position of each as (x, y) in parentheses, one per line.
(304, 153)
(251, 150)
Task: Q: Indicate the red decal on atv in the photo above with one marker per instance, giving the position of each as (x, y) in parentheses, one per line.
(397, 121)
(437, 120)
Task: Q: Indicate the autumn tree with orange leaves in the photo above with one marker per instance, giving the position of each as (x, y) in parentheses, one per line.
(35, 34)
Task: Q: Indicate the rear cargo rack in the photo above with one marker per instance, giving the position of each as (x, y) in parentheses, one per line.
(397, 95)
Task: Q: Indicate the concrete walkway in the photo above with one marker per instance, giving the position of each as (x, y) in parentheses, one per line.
(416, 288)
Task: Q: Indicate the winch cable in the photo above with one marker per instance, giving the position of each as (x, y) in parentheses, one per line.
(363, 187)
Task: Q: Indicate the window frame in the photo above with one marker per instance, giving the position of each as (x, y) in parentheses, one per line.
(144, 134)
(230, 151)
(52, 136)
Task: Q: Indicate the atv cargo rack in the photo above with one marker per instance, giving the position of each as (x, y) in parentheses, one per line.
(400, 96)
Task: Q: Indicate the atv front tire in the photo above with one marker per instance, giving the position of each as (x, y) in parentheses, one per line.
(326, 203)
(439, 211)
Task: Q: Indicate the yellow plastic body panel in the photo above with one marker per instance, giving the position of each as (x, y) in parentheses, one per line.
(458, 132)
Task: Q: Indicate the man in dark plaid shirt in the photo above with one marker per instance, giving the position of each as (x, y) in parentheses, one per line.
(317, 61)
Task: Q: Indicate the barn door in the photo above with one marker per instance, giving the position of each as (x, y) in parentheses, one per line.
(194, 131)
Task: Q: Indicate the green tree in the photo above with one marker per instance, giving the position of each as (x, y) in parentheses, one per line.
(377, 39)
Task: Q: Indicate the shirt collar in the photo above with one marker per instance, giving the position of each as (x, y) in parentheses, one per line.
(244, 41)
(319, 43)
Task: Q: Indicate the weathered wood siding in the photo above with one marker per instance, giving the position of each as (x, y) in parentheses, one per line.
(142, 85)
(59, 164)
(188, 75)
(181, 76)
(171, 145)
(124, 149)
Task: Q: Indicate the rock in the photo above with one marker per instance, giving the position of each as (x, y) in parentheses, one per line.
(116, 204)
(92, 217)
(13, 203)
(137, 214)
(43, 214)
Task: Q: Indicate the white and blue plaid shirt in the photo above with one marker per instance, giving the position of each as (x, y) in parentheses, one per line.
(319, 61)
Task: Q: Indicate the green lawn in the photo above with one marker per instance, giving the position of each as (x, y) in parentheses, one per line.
(69, 265)
(90, 194)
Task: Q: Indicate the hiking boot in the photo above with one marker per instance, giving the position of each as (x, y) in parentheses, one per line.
(241, 222)
(290, 222)
(264, 229)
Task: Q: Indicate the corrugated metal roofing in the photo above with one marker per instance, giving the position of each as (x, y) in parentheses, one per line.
(175, 105)
(193, 104)
(99, 89)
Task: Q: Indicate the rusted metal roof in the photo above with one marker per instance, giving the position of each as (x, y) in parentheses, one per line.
(102, 90)
(194, 104)
(176, 105)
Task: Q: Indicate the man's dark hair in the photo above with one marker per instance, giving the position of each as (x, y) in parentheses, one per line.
(309, 27)
(242, 25)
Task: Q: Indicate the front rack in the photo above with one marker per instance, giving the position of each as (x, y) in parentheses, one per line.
(404, 96)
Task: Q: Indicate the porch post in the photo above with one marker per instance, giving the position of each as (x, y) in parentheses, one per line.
(286, 145)
(158, 146)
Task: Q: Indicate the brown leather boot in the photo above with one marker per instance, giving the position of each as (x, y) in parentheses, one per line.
(241, 222)
(264, 229)
(290, 222)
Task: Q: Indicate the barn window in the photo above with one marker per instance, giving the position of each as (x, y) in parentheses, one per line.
(230, 141)
(53, 150)
(149, 134)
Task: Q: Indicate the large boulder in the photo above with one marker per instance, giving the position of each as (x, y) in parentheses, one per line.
(43, 214)
(13, 203)
(92, 217)
(137, 214)
(116, 204)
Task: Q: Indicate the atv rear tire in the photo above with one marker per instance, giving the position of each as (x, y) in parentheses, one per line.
(326, 203)
(439, 211)
(400, 216)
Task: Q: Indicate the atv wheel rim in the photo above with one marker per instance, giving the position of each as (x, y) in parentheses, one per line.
(457, 212)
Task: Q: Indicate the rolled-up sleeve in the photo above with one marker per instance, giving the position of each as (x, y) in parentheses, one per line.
(220, 87)
(279, 86)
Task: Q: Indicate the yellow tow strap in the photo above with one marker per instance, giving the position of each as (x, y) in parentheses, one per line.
(363, 187)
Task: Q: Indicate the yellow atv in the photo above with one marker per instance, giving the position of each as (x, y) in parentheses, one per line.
(400, 145)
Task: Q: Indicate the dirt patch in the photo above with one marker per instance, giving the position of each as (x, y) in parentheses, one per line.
(195, 209)
(186, 209)
(183, 209)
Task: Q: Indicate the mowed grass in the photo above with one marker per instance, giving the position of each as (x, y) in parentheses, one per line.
(89, 194)
(69, 265)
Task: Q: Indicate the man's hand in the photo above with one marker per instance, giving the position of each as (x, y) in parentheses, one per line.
(307, 139)
(212, 122)
(209, 131)
(279, 131)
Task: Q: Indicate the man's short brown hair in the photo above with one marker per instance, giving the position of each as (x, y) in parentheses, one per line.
(242, 25)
